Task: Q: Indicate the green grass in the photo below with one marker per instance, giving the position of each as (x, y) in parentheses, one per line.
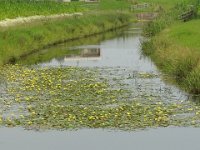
(17, 8)
(114, 5)
(186, 34)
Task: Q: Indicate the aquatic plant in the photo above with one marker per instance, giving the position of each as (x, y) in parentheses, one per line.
(71, 98)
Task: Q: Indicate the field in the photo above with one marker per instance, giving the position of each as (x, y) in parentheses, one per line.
(18, 8)
(12, 8)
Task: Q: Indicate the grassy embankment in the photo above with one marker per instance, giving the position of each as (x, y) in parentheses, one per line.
(174, 46)
(22, 40)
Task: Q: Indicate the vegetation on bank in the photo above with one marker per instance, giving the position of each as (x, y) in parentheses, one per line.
(18, 41)
(174, 45)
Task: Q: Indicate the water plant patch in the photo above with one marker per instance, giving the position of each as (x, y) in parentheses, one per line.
(72, 98)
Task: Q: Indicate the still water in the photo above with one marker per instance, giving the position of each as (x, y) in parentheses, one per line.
(121, 51)
(97, 139)
(117, 55)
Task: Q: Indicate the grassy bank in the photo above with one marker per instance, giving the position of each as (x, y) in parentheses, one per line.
(175, 48)
(18, 41)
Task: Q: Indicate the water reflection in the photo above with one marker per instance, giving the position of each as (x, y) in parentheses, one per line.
(85, 54)
(121, 51)
(70, 49)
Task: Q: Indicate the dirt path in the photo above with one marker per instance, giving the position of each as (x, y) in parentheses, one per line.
(23, 20)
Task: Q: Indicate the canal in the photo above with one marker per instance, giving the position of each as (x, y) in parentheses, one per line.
(117, 56)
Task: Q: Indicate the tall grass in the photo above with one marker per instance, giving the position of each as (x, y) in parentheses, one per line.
(192, 81)
(174, 56)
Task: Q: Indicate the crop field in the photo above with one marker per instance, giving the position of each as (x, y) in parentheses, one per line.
(17, 8)
(23, 8)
